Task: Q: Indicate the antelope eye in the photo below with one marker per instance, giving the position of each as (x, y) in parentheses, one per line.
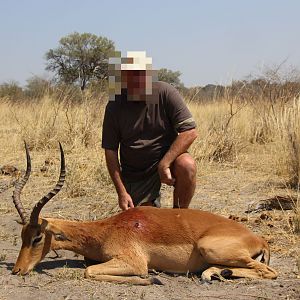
(37, 240)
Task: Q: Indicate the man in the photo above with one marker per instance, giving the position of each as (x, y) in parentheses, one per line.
(150, 123)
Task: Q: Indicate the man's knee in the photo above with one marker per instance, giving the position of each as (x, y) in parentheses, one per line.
(184, 165)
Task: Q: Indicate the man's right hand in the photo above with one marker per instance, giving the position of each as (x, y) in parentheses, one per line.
(125, 201)
(165, 175)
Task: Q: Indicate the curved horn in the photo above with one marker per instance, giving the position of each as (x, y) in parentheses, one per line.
(19, 186)
(38, 207)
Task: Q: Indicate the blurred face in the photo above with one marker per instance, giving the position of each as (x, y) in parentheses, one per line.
(134, 81)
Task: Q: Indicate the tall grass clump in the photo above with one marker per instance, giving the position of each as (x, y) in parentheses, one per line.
(220, 128)
(57, 118)
(286, 133)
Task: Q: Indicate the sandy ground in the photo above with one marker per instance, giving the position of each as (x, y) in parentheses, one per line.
(226, 191)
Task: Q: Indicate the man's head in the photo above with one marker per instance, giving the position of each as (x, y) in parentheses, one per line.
(133, 73)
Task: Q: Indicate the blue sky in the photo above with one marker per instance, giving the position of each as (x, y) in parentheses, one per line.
(208, 41)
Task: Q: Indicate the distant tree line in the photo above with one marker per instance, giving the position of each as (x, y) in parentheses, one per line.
(80, 63)
(253, 90)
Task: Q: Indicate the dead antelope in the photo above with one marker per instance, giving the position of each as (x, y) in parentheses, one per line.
(130, 243)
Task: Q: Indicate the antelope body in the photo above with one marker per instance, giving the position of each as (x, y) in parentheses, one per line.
(130, 243)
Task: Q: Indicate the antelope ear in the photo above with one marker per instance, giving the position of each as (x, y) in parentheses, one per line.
(45, 225)
(61, 237)
(57, 233)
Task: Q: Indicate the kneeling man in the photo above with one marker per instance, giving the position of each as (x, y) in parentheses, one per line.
(148, 121)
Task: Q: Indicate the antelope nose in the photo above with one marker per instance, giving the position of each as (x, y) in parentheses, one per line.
(16, 271)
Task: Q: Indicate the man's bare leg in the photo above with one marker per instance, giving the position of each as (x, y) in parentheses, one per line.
(184, 170)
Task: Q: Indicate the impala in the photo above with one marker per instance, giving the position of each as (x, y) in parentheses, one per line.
(130, 243)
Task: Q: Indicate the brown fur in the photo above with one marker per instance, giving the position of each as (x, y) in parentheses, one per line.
(133, 241)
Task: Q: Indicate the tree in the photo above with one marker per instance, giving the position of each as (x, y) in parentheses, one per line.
(80, 58)
(170, 76)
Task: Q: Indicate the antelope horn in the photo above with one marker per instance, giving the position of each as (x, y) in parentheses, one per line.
(39, 205)
(19, 186)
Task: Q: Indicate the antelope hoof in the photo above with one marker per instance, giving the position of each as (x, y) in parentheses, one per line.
(226, 273)
(156, 281)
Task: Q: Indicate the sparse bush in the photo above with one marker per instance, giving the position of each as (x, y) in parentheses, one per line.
(37, 88)
(11, 91)
(171, 77)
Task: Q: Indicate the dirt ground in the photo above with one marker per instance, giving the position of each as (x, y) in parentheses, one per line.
(227, 191)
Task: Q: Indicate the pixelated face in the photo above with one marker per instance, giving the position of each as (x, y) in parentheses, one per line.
(134, 81)
(133, 73)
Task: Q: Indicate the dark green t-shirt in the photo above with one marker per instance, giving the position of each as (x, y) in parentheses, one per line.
(144, 131)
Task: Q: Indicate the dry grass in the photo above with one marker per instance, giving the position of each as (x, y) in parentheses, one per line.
(227, 129)
(44, 123)
(220, 137)
(67, 273)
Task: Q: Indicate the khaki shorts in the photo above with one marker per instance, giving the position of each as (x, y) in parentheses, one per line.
(146, 190)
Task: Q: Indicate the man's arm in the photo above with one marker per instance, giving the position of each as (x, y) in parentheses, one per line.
(113, 167)
(179, 146)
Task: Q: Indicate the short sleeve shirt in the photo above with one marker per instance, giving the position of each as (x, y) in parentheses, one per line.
(144, 131)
